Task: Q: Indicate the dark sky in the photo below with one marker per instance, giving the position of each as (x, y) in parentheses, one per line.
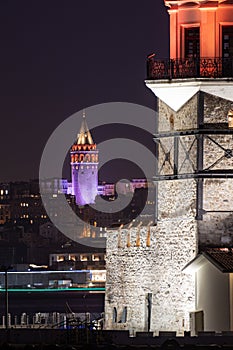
(57, 57)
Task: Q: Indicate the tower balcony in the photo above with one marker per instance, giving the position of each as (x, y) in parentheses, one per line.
(189, 68)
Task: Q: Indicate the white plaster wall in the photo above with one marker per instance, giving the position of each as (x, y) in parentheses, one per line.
(213, 298)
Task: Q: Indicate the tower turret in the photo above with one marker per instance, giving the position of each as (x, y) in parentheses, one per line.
(84, 166)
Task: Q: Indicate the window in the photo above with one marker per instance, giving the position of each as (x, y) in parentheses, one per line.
(84, 257)
(124, 315)
(227, 41)
(192, 42)
(96, 257)
(114, 318)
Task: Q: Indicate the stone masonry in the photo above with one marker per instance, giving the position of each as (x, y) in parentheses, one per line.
(136, 268)
(133, 272)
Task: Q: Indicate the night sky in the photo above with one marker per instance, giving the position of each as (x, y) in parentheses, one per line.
(57, 57)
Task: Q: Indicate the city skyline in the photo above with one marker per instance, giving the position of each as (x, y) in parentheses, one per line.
(56, 61)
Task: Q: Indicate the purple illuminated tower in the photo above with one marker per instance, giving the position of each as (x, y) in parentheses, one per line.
(84, 166)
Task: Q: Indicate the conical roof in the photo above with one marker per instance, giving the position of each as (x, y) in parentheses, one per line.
(84, 136)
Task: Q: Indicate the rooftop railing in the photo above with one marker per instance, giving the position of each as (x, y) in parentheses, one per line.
(182, 68)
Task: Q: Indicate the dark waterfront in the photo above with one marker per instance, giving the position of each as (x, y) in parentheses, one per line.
(84, 335)
(40, 339)
(49, 302)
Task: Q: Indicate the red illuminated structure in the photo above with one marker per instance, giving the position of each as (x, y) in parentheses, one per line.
(201, 40)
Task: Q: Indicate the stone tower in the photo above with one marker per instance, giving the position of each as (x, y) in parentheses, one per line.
(84, 166)
(193, 175)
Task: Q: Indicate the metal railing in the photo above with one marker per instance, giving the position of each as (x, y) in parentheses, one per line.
(181, 68)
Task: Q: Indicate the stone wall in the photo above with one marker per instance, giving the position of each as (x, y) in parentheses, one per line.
(217, 152)
(174, 296)
(184, 119)
(215, 109)
(216, 228)
(176, 199)
(131, 274)
(134, 271)
(136, 268)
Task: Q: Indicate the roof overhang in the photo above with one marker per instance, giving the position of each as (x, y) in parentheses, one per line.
(195, 264)
(175, 93)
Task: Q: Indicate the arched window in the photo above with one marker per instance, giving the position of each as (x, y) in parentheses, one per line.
(114, 316)
(88, 158)
(124, 315)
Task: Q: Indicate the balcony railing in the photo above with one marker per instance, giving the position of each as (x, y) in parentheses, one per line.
(182, 68)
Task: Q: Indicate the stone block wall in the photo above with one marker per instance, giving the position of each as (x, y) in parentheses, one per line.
(215, 109)
(134, 271)
(176, 199)
(174, 295)
(130, 275)
(216, 228)
(136, 268)
(185, 118)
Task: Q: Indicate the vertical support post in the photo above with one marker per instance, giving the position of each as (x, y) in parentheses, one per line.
(6, 300)
(176, 155)
(200, 155)
(171, 69)
(156, 159)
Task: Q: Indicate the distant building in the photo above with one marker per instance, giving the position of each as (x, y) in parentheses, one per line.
(55, 186)
(106, 190)
(43, 278)
(77, 258)
(84, 167)
(5, 213)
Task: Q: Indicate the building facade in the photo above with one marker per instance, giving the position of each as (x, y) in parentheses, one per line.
(213, 270)
(193, 175)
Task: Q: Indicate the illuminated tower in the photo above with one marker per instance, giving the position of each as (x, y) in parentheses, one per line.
(84, 166)
(193, 175)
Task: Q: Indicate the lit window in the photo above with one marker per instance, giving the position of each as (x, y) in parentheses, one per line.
(60, 258)
(84, 258)
(72, 257)
(95, 258)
